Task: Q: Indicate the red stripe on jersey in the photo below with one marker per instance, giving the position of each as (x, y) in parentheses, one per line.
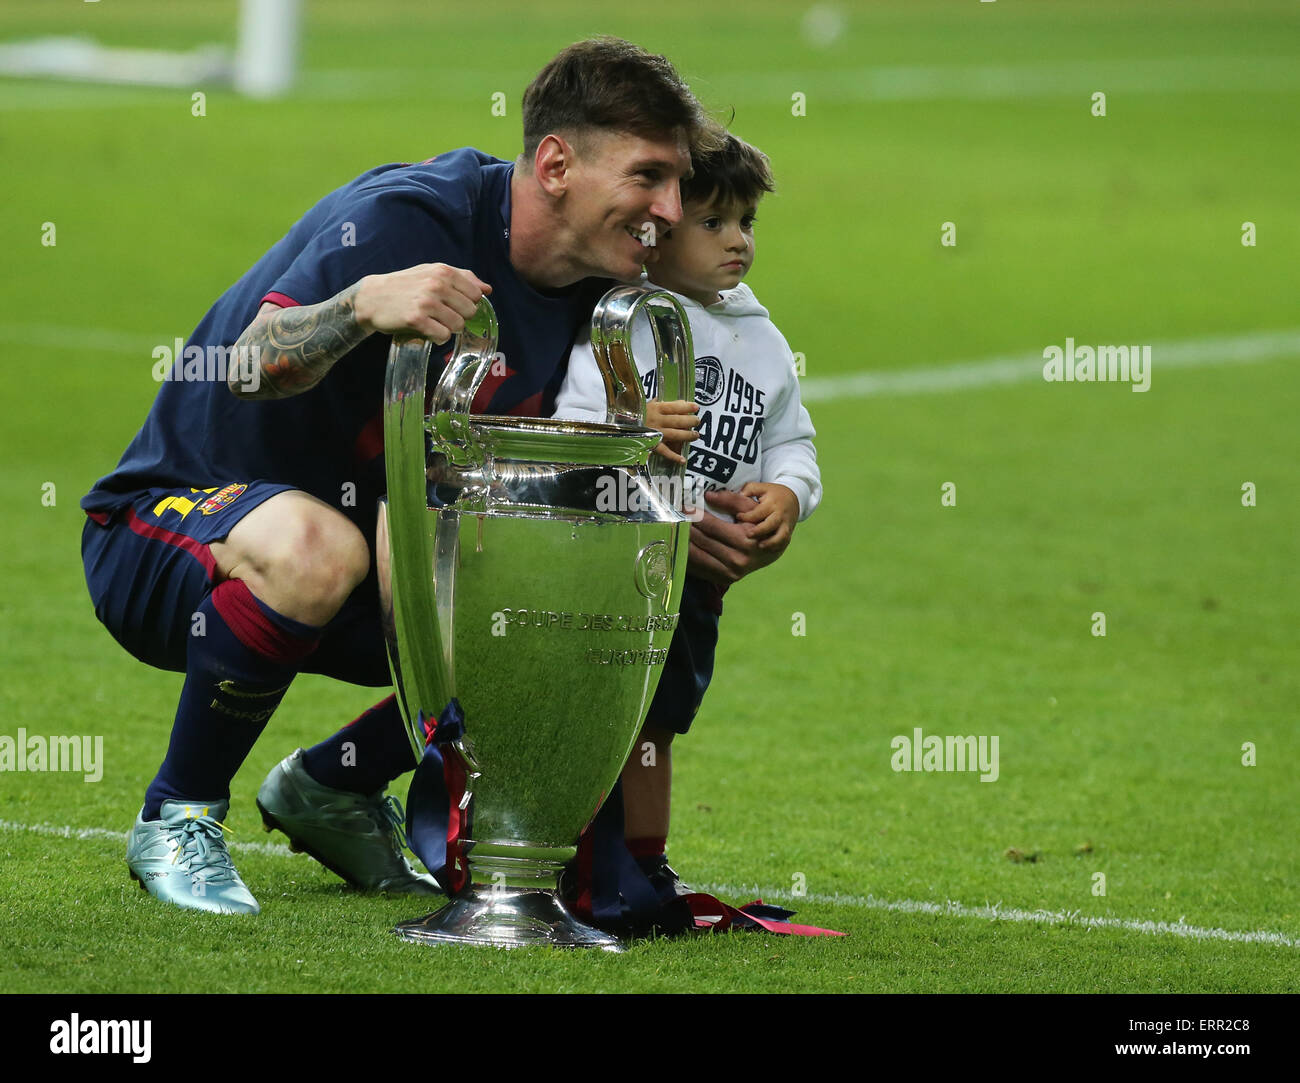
(530, 407)
(370, 441)
(493, 380)
(198, 550)
(281, 299)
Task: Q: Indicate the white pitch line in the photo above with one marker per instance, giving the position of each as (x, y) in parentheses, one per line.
(930, 379)
(957, 375)
(55, 831)
(997, 912)
(56, 336)
(864, 902)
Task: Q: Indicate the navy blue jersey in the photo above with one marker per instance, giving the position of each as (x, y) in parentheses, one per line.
(328, 441)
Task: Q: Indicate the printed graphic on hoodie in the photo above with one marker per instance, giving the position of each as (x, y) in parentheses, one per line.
(729, 434)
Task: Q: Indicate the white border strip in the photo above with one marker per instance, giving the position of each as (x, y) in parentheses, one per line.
(957, 375)
(272, 849)
(55, 336)
(995, 912)
(949, 376)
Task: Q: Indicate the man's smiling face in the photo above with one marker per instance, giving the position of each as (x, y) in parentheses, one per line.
(622, 192)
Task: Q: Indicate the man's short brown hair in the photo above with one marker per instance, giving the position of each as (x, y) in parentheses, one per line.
(734, 173)
(610, 84)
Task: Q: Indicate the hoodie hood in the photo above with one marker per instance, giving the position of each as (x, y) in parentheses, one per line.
(735, 302)
(738, 302)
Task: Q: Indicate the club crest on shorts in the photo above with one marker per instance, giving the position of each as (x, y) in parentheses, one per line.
(708, 380)
(222, 499)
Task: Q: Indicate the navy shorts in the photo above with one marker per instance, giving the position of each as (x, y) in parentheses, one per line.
(149, 564)
(689, 666)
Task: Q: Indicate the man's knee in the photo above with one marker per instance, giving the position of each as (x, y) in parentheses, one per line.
(297, 555)
(325, 552)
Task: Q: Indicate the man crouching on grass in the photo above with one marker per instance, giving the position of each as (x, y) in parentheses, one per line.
(233, 542)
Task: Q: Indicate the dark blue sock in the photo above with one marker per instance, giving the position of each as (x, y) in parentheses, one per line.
(365, 755)
(241, 659)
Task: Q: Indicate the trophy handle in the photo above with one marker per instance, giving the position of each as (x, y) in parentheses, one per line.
(454, 393)
(674, 351)
(409, 531)
(611, 343)
(611, 326)
(410, 613)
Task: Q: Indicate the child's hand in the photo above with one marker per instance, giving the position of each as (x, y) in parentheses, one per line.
(774, 516)
(677, 421)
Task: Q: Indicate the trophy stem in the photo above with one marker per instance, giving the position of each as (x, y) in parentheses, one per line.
(512, 903)
(497, 865)
(506, 918)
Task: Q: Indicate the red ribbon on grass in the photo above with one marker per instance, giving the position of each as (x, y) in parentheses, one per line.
(712, 913)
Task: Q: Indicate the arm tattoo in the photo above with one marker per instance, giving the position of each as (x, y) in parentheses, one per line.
(291, 350)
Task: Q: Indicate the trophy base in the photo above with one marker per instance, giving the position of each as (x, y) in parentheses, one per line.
(507, 918)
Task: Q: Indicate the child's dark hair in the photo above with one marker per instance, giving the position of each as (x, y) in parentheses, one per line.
(735, 173)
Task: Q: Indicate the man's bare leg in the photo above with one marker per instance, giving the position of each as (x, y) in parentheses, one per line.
(283, 571)
(297, 555)
(302, 559)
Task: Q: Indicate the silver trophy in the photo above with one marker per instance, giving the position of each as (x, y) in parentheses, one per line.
(531, 569)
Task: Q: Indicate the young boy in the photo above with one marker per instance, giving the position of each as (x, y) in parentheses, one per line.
(746, 431)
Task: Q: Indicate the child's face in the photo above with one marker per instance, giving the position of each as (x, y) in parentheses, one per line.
(711, 250)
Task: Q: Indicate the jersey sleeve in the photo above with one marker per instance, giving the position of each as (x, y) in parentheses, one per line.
(373, 230)
(789, 457)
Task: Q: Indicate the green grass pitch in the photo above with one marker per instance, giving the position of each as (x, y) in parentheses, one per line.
(1119, 755)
